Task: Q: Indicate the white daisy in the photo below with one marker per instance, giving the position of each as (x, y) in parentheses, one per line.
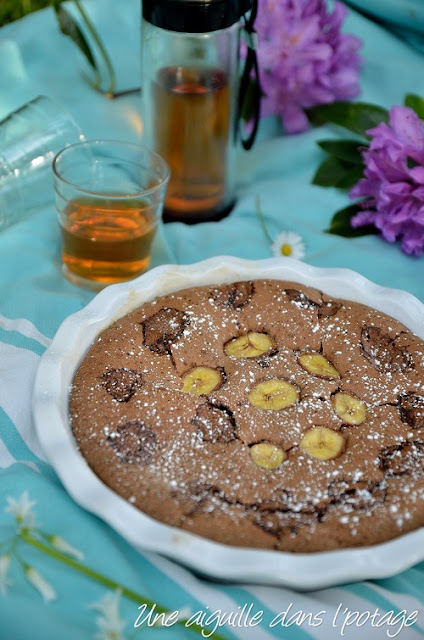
(22, 510)
(288, 245)
(111, 625)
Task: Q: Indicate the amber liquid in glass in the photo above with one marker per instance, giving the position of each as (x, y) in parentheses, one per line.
(192, 129)
(105, 241)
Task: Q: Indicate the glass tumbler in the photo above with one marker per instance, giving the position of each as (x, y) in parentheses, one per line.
(109, 198)
(30, 137)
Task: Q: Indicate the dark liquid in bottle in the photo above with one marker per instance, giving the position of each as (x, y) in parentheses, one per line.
(192, 129)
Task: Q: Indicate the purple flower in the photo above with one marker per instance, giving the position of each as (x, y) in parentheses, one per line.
(393, 183)
(304, 58)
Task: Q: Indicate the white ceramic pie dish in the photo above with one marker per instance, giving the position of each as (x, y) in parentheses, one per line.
(50, 407)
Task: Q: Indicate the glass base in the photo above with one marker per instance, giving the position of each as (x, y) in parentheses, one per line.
(93, 285)
(195, 217)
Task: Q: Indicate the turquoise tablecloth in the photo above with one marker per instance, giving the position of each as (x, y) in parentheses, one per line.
(35, 58)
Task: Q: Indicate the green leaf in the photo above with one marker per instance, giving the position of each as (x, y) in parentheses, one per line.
(411, 163)
(340, 224)
(416, 103)
(355, 116)
(70, 28)
(347, 150)
(333, 172)
(329, 172)
(351, 177)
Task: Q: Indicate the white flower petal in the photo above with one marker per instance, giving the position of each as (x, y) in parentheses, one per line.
(113, 628)
(22, 510)
(40, 583)
(109, 635)
(288, 244)
(62, 545)
(109, 604)
(4, 564)
(110, 623)
(185, 613)
(4, 568)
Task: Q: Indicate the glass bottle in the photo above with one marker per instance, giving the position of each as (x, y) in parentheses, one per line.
(190, 96)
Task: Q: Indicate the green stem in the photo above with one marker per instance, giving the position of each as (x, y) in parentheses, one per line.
(103, 580)
(90, 573)
(262, 219)
(95, 84)
(91, 29)
(124, 92)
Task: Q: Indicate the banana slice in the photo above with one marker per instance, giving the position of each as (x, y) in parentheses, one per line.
(201, 380)
(350, 409)
(319, 366)
(250, 345)
(322, 443)
(273, 395)
(267, 455)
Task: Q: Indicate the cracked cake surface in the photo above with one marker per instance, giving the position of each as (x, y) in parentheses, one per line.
(259, 414)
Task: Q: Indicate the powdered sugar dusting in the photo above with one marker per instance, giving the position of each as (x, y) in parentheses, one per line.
(185, 458)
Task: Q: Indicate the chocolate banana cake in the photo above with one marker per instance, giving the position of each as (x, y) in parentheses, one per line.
(259, 414)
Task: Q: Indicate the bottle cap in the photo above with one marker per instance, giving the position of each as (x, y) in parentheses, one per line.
(194, 16)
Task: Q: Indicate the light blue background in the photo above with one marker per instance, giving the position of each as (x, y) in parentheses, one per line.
(35, 58)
